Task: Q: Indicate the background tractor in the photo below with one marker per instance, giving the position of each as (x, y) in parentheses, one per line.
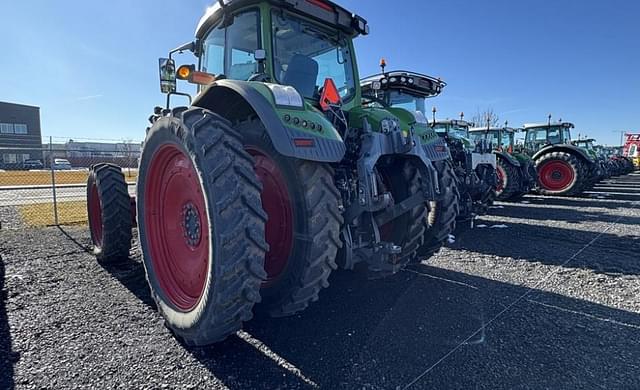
(273, 175)
(588, 145)
(631, 149)
(563, 168)
(474, 164)
(402, 91)
(516, 171)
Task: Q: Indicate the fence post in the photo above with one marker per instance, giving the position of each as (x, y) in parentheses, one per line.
(53, 182)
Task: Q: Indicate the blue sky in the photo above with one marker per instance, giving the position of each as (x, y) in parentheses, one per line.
(92, 66)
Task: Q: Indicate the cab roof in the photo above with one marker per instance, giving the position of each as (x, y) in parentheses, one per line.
(527, 126)
(414, 83)
(507, 129)
(324, 11)
(455, 122)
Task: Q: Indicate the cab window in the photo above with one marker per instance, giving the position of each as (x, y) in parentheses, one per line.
(230, 50)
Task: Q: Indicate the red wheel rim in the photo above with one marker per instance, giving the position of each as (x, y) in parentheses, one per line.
(177, 228)
(556, 175)
(500, 173)
(276, 202)
(95, 215)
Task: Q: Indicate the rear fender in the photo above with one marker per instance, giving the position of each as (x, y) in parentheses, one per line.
(580, 153)
(237, 100)
(507, 157)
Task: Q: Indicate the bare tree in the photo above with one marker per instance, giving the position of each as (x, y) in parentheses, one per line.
(481, 117)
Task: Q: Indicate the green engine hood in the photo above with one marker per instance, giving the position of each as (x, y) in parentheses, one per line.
(374, 116)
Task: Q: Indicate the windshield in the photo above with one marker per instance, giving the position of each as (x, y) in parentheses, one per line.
(406, 101)
(491, 136)
(305, 55)
(455, 130)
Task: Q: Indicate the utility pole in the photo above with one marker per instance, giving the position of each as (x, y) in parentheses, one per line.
(622, 132)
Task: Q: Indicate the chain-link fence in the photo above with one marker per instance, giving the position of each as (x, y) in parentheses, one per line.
(47, 185)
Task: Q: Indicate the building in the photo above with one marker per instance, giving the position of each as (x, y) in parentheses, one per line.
(84, 154)
(20, 136)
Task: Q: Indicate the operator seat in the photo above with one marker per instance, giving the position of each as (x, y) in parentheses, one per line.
(302, 73)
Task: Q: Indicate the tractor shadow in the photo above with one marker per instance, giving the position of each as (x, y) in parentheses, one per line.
(385, 333)
(581, 202)
(129, 272)
(577, 216)
(611, 253)
(7, 357)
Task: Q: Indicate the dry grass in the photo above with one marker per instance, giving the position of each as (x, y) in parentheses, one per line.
(41, 214)
(27, 178)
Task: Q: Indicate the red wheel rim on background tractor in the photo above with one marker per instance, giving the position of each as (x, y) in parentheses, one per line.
(178, 227)
(556, 175)
(276, 202)
(501, 176)
(95, 215)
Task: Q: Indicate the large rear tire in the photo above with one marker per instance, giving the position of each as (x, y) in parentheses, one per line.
(403, 180)
(561, 173)
(509, 180)
(109, 212)
(201, 226)
(442, 214)
(303, 226)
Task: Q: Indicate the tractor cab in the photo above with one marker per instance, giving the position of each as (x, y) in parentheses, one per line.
(538, 136)
(502, 138)
(291, 48)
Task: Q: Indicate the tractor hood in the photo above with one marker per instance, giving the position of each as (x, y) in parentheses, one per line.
(381, 120)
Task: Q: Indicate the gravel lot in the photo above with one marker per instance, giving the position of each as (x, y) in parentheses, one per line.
(546, 295)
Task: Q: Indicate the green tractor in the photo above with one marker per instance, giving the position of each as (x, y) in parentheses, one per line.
(588, 145)
(474, 164)
(404, 94)
(516, 172)
(272, 176)
(563, 168)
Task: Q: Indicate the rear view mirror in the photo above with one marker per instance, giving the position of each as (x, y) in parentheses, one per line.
(167, 75)
(260, 55)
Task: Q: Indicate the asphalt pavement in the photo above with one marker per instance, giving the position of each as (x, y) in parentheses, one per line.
(543, 293)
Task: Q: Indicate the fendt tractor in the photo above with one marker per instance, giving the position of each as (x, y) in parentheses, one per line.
(402, 91)
(272, 176)
(588, 145)
(516, 172)
(473, 164)
(563, 168)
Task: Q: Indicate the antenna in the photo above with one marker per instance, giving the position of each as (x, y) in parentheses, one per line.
(383, 64)
(549, 120)
(506, 124)
(433, 112)
(461, 115)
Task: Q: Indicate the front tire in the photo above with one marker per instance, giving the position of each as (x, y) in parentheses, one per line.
(201, 226)
(109, 212)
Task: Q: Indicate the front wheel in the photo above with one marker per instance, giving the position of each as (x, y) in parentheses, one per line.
(109, 212)
(201, 226)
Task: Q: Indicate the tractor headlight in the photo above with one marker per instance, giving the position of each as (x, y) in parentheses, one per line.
(388, 125)
(285, 95)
